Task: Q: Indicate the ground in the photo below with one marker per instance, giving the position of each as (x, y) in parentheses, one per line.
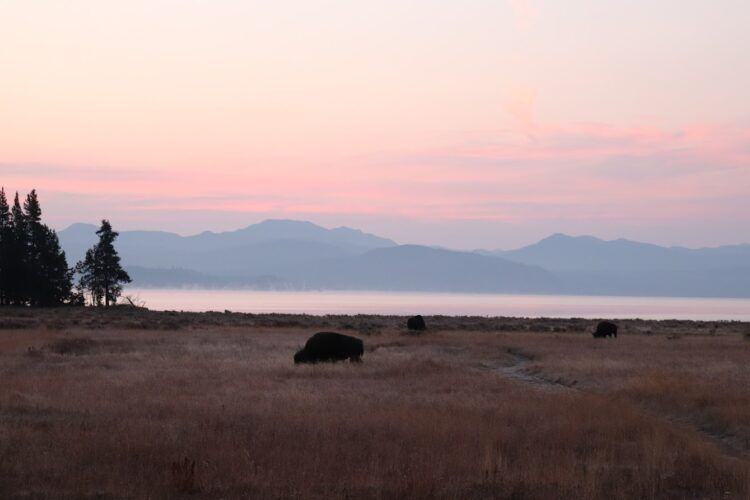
(127, 403)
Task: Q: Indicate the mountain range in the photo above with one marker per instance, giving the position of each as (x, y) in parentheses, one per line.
(285, 254)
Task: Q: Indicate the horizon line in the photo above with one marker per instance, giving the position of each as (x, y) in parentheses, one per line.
(474, 250)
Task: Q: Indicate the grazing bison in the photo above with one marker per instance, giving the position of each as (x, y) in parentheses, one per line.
(605, 329)
(416, 323)
(329, 346)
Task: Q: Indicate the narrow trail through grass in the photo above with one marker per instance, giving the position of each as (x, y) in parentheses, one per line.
(730, 445)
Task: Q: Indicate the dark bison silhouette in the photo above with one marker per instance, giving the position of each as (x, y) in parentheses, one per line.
(329, 346)
(605, 329)
(416, 323)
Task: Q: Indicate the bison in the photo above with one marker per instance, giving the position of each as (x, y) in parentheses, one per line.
(605, 329)
(329, 346)
(416, 323)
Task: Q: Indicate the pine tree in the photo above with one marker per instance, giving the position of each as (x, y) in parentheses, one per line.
(35, 243)
(32, 209)
(89, 272)
(100, 271)
(55, 278)
(47, 267)
(18, 251)
(33, 267)
(5, 240)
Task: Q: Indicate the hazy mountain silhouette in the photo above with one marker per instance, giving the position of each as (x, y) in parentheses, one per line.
(292, 254)
(281, 229)
(593, 266)
(560, 252)
(180, 278)
(281, 254)
(414, 267)
(259, 249)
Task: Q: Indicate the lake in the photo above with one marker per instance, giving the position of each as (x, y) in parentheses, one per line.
(405, 303)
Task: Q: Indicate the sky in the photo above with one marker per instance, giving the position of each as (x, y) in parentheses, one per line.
(466, 124)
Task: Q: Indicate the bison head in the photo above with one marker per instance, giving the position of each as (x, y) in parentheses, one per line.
(301, 357)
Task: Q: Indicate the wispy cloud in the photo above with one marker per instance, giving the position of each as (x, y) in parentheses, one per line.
(520, 105)
(624, 176)
(582, 171)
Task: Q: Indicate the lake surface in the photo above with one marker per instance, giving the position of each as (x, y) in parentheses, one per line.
(345, 302)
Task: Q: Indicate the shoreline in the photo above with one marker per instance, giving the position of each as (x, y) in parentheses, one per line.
(128, 317)
(448, 304)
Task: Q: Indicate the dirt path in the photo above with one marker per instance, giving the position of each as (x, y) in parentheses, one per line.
(518, 371)
(731, 446)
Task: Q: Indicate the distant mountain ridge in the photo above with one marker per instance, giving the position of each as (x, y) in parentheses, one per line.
(286, 254)
(281, 254)
(561, 252)
(589, 265)
(415, 267)
(270, 243)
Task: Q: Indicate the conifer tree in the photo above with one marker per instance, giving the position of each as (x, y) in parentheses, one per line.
(34, 248)
(32, 209)
(89, 274)
(47, 268)
(100, 271)
(18, 253)
(54, 275)
(33, 267)
(5, 239)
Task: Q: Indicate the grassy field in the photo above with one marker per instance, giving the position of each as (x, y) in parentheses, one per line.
(127, 403)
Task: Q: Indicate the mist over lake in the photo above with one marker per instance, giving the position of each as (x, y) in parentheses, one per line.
(300, 255)
(356, 302)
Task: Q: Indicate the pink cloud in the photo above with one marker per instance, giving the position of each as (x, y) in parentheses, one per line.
(520, 106)
(574, 173)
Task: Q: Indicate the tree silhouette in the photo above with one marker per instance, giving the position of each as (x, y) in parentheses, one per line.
(6, 234)
(18, 263)
(89, 276)
(54, 276)
(48, 273)
(100, 271)
(33, 267)
(32, 209)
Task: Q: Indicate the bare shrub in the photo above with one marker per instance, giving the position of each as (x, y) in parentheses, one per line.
(71, 346)
(135, 301)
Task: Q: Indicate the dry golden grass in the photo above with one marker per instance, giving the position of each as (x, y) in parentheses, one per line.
(702, 380)
(129, 404)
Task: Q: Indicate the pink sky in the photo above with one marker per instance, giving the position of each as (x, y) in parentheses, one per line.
(465, 124)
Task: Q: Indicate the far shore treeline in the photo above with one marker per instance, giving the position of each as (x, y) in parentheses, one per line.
(34, 270)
